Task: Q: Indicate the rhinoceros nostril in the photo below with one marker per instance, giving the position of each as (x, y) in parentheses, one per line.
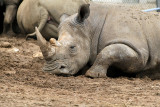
(62, 67)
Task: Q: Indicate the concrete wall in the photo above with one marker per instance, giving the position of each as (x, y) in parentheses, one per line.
(127, 1)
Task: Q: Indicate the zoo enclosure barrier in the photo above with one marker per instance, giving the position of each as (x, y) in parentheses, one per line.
(139, 4)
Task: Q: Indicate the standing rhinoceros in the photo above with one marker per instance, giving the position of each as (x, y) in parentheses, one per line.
(45, 14)
(103, 36)
(10, 15)
(2, 9)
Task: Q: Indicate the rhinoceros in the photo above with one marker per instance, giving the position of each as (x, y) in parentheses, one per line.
(2, 9)
(45, 14)
(10, 15)
(103, 36)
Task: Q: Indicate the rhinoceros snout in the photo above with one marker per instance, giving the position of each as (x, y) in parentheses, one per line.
(59, 67)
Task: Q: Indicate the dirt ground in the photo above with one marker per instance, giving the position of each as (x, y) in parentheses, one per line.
(22, 83)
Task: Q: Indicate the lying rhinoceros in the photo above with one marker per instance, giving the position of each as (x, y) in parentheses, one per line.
(103, 36)
(45, 14)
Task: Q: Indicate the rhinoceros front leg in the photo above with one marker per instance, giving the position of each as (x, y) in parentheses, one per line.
(120, 54)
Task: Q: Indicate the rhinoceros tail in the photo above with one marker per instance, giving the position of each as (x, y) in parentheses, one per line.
(43, 20)
(30, 35)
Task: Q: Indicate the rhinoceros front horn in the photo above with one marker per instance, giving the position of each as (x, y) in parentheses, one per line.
(46, 48)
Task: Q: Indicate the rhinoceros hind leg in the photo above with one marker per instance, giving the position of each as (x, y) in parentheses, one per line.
(10, 15)
(43, 20)
(121, 55)
(50, 31)
(8, 30)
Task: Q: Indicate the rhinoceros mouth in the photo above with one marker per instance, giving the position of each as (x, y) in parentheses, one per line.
(47, 68)
(50, 66)
(57, 68)
(60, 72)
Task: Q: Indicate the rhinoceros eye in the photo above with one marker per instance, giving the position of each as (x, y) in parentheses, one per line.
(73, 49)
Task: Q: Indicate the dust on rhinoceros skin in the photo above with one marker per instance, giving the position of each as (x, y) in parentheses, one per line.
(102, 37)
(45, 14)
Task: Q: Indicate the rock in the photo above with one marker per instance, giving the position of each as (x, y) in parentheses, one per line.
(5, 45)
(9, 72)
(13, 50)
(38, 55)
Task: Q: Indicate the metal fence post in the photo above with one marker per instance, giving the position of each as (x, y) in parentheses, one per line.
(158, 4)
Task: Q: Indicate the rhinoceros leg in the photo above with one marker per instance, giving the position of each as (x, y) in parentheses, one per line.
(50, 31)
(8, 19)
(122, 55)
(43, 20)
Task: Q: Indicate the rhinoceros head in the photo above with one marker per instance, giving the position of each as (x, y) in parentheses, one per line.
(71, 51)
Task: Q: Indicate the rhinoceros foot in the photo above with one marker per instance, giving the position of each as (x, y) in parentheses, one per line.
(96, 72)
(10, 33)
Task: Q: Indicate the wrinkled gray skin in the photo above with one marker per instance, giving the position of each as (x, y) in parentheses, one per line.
(85, 38)
(10, 15)
(45, 14)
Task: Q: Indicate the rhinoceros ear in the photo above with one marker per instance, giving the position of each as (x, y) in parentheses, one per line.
(83, 13)
(63, 17)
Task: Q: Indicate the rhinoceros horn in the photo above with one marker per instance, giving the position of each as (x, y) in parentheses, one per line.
(46, 48)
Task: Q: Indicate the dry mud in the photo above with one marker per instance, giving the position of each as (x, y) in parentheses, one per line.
(22, 83)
